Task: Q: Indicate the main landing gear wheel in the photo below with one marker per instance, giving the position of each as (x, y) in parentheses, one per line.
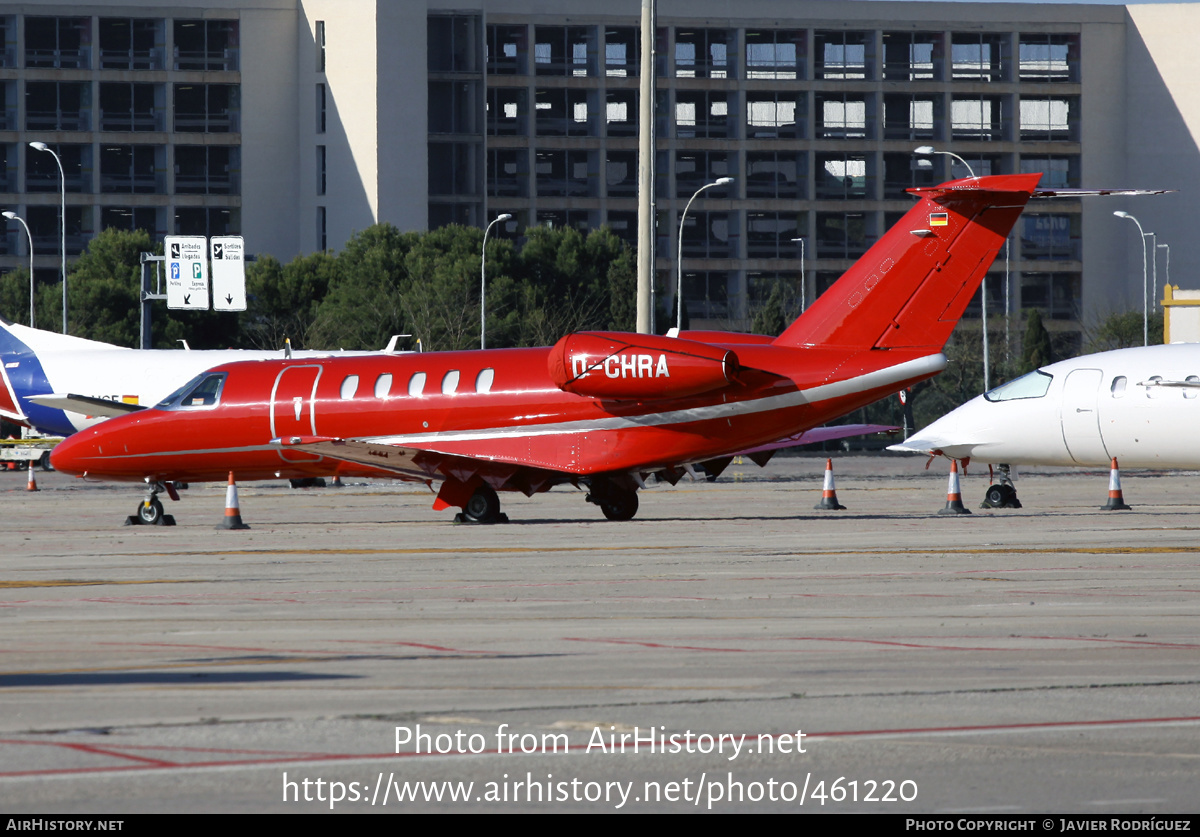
(483, 507)
(1002, 494)
(620, 505)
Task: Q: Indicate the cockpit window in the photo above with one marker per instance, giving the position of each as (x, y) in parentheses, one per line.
(202, 391)
(1033, 385)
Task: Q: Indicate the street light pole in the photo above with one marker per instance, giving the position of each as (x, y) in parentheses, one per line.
(41, 146)
(12, 216)
(720, 181)
(1145, 294)
(1167, 247)
(483, 281)
(929, 149)
(802, 285)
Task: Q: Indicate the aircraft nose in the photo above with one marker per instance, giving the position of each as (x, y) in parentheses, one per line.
(72, 454)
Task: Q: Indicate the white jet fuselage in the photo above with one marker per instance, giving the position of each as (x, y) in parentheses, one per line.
(1139, 405)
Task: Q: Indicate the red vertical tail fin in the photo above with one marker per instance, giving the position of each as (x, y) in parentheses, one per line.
(912, 287)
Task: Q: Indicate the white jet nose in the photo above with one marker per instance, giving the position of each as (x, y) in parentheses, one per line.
(941, 434)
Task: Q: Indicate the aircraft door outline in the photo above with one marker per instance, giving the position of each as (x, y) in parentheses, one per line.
(293, 387)
(1080, 414)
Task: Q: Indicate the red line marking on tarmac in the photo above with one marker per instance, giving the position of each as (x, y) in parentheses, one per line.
(148, 764)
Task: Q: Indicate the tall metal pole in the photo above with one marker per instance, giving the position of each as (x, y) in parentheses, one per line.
(1145, 293)
(41, 146)
(1167, 247)
(987, 375)
(1154, 269)
(646, 173)
(483, 281)
(12, 216)
(720, 181)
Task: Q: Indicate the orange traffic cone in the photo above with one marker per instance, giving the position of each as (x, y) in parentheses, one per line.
(954, 503)
(829, 498)
(337, 482)
(32, 484)
(1116, 500)
(233, 515)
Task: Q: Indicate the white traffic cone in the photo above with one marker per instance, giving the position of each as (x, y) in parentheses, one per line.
(954, 503)
(32, 484)
(1116, 499)
(233, 514)
(829, 498)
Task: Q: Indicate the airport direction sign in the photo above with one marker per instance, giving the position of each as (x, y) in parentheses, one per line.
(187, 272)
(228, 272)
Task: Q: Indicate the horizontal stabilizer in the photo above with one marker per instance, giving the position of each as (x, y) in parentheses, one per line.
(821, 434)
(86, 405)
(1096, 193)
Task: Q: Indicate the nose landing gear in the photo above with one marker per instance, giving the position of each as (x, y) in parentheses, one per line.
(150, 510)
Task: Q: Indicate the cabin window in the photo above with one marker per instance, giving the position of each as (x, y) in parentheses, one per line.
(1154, 386)
(416, 384)
(483, 381)
(450, 382)
(383, 385)
(1034, 385)
(349, 387)
(1118, 386)
(1190, 391)
(202, 391)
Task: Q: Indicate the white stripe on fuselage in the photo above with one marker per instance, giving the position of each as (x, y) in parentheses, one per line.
(921, 367)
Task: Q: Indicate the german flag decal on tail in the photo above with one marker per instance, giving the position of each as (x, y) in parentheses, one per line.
(939, 219)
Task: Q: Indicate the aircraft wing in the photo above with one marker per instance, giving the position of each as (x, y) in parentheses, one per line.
(1093, 193)
(85, 404)
(425, 466)
(821, 434)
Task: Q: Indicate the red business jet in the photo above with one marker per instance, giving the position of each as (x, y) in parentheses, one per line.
(602, 409)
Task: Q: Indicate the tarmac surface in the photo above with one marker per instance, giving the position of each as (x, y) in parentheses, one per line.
(884, 658)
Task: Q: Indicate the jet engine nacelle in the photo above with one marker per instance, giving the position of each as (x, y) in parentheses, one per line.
(638, 367)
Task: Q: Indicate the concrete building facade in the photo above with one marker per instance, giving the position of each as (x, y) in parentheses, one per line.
(297, 122)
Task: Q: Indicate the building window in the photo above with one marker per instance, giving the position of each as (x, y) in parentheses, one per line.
(507, 111)
(1050, 237)
(913, 116)
(983, 118)
(564, 50)
(621, 52)
(453, 43)
(42, 175)
(453, 107)
(57, 106)
(207, 108)
(978, 56)
(319, 38)
(844, 115)
(778, 175)
(320, 169)
(844, 176)
(903, 171)
(322, 243)
(453, 169)
(508, 173)
(562, 112)
(563, 174)
(507, 50)
(769, 234)
(320, 108)
(842, 235)
(695, 169)
(702, 53)
(131, 107)
(772, 115)
(1050, 119)
(132, 169)
(45, 230)
(131, 218)
(208, 221)
(206, 169)
(912, 56)
(843, 55)
(706, 294)
(709, 235)
(1056, 294)
(206, 45)
(621, 111)
(1052, 58)
(131, 43)
(775, 53)
(63, 43)
(701, 113)
(574, 219)
(621, 173)
(1058, 172)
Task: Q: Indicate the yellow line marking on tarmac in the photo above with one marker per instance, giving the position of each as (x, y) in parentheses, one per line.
(426, 550)
(88, 582)
(1048, 550)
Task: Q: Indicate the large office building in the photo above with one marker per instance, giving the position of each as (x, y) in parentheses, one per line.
(297, 122)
